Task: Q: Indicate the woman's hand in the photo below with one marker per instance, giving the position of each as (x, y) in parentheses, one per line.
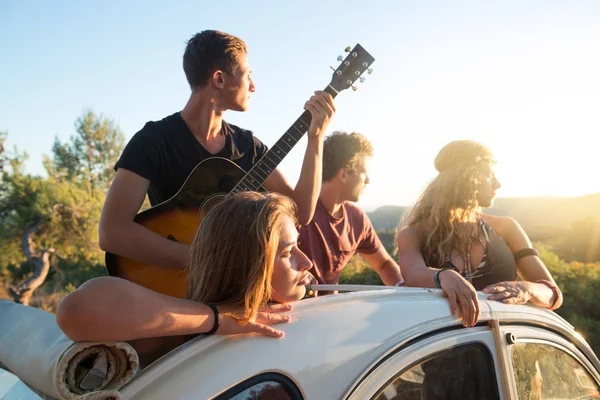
(510, 292)
(268, 315)
(460, 294)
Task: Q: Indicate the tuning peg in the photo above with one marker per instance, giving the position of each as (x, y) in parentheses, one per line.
(362, 79)
(348, 82)
(340, 58)
(333, 69)
(370, 71)
(354, 88)
(347, 49)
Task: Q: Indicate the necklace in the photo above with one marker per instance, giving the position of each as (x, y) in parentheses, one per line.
(468, 271)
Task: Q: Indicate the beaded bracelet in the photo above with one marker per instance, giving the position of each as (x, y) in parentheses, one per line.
(216, 323)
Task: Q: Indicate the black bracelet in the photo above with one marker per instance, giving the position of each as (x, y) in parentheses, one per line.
(216, 323)
(436, 279)
(528, 251)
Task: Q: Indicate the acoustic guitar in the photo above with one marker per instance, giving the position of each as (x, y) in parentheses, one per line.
(211, 181)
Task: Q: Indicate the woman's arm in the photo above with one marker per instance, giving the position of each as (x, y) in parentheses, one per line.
(109, 308)
(530, 268)
(417, 274)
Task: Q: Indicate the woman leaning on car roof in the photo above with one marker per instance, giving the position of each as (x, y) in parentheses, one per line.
(447, 242)
(244, 256)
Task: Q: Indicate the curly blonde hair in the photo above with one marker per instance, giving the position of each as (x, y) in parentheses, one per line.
(233, 253)
(448, 207)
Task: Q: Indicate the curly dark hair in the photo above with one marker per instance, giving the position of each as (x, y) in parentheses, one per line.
(343, 150)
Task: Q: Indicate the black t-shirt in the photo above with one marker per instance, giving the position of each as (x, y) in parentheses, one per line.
(165, 152)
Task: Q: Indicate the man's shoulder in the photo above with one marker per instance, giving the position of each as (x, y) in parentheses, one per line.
(160, 127)
(243, 138)
(354, 210)
(168, 124)
(236, 130)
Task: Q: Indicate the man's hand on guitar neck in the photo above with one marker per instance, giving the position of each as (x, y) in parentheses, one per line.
(322, 109)
(306, 192)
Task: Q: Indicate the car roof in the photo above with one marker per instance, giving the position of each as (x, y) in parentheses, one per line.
(330, 341)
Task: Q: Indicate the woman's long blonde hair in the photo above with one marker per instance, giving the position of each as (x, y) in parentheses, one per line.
(445, 212)
(233, 253)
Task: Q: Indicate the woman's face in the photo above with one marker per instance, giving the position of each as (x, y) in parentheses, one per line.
(290, 272)
(486, 192)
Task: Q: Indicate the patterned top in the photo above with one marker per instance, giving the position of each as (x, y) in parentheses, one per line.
(497, 265)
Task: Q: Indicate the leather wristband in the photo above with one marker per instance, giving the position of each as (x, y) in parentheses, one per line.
(215, 327)
(436, 279)
(528, 251)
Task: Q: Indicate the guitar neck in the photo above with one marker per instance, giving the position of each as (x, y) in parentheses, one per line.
(255, 178)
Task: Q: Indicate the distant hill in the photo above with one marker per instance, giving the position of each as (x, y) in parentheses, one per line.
(538, 215)
(387, 217)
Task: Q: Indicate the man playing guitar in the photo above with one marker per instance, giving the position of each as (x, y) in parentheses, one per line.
(162, 154)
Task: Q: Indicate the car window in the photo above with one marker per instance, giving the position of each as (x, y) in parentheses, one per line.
(548, 372)
(11, 387)
(460, 373)
(263, 391)
(267, 386)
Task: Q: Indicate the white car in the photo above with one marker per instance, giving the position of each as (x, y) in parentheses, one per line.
(384, 343)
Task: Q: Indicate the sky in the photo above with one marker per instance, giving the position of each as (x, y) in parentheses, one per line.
(520, 76)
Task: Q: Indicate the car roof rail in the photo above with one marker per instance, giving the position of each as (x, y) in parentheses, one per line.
(362, 288)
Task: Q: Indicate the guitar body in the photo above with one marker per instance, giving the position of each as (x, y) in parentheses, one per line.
(178, 219)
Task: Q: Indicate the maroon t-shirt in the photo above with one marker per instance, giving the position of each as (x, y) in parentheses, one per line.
(330, 242)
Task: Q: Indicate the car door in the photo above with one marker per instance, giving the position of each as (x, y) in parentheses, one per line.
(545, 365)
(453, 364)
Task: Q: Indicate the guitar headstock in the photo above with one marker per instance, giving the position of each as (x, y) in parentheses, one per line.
(351, 68)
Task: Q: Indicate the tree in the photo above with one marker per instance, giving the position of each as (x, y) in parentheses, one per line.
(42, 219)
(582, 241)
(3, 136)
(88, 158)
(579, 283)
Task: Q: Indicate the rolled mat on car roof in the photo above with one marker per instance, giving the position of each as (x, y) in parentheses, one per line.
(33, 348)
